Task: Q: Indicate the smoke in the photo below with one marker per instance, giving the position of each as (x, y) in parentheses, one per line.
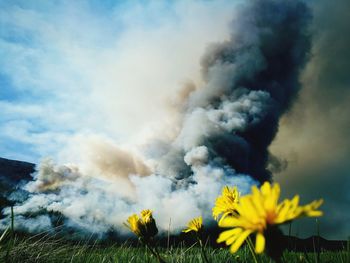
(219, 137)
(314, 135)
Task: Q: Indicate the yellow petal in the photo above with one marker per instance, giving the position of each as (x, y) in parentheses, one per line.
(266, 189)
(310, 209)
(283, 210)
(316, 204)
(196, 224)
(259, 243)
(276, 191)
(225, 190)
(228, 234)
(295, 200)
(258, 204)
(255, 189)
(294, 210)
(231, 240)
(244, 208)
(315, 213)
(239, 241)
(229, 222)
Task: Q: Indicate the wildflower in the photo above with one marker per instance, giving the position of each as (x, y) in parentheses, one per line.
(149, 222)
(195, 225)
(226, 203)
(146, 216)
(134, 224)
(259, 213)
(144, 227)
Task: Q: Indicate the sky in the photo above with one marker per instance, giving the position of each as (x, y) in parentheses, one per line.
(80, 67)
(70, 69)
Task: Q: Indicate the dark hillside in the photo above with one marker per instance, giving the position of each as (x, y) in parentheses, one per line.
(15, 171)
(12, 173)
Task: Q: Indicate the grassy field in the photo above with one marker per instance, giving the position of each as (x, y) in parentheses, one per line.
(57, 250)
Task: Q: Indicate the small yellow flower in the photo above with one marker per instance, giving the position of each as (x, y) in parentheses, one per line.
(146, 216)
(260, 210)
(226, 203)
(195, 225)
(134, 224)
(149, 222)
(145, 226)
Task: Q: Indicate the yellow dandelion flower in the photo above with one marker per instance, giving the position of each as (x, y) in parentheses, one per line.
(144, 226)
(146, 215)
(260, 210)
(149, 222)
(195, 225)
(226, 203)
(134, 224)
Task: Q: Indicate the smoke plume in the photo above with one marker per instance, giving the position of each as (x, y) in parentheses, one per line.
(220, 137)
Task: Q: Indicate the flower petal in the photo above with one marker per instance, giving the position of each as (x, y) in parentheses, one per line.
(310, 209)
(283, 210)
(259, 243)
(228, 234)
(239, 241)
(229, 222)
(266, 189)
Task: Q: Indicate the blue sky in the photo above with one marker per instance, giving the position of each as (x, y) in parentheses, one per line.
(83, 67)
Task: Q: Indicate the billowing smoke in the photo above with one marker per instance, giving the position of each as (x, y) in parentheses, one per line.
(220, 137)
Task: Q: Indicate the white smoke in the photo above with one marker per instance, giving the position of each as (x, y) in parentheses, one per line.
(97, 204)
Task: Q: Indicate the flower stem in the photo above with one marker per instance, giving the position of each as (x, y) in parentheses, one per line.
(159, 257)
(251, 249)
(153, 251)
(204, 255)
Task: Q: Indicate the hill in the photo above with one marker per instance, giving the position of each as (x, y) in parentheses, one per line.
(12, 174)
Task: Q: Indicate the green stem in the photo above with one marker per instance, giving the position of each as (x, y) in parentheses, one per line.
(153, 251)
(250, 245)
(204, 255)
(158, 255)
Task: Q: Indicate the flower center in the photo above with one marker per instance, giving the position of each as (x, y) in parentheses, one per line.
(270, 217)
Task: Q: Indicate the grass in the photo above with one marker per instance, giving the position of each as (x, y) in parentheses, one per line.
(47, 249)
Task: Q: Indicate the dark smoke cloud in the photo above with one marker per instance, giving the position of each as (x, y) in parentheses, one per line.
(250, 81)
(314, 136)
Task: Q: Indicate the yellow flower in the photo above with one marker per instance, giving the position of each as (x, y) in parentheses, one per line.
(145, 226)
(195, 225)
(134, 224)
(259, 211)
(149, 223)
(146, 215)
(226, 203)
